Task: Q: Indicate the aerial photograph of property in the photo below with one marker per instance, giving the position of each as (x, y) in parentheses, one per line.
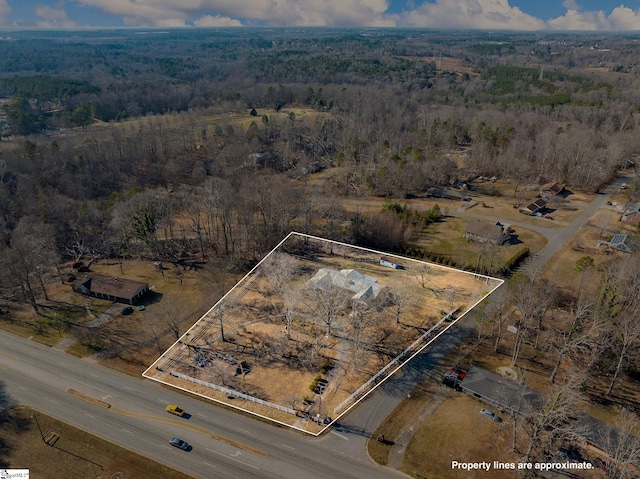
(298, 240)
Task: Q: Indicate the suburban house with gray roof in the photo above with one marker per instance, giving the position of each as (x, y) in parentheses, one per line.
(631, 213)
(502, 393)
(111, 288)
(623, 243)
(363, 286)
(482, 232)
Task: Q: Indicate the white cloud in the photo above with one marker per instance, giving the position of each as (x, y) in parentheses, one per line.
(5, 10)
(269, 12)
(216, 21)
(571, 5)
(620, 18)
(482, 14)
(53, 17)
(485, 14)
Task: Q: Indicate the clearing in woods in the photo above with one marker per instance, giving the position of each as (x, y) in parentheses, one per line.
(315, 327)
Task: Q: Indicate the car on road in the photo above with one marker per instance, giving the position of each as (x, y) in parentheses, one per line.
(126, 311)
(491, 415)
(179, 443)
(173, 409)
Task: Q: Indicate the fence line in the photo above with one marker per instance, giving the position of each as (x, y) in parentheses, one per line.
(374, 379)
(232, 392)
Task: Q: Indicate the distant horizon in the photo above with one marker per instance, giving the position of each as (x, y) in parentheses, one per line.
(502, 15)
(164, 29)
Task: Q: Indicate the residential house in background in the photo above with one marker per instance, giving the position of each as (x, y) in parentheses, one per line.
(553, 189)
(482, 232)
(623, 243)
(535, 207)
(631, 213)
(505, 394)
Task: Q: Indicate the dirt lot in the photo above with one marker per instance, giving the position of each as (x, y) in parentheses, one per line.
(75, 454)
(263, 357)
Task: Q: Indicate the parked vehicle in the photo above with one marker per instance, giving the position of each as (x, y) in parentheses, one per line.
(491, 415)
(173, 409)
(453, 377)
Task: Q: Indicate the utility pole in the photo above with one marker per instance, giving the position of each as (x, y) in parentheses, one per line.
(33, 415)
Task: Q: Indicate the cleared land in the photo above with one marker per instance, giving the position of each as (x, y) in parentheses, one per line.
(307, 328)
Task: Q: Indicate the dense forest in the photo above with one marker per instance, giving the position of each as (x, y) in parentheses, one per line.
(531, 108)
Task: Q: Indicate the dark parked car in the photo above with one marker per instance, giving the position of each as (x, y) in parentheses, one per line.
(179, 443)
(126, 311)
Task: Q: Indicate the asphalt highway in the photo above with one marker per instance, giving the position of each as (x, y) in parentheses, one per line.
(225, 444)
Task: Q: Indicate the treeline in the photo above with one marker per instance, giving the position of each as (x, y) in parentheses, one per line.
(188, 182)
(44, 88)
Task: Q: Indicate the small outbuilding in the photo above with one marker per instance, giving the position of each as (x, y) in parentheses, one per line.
(111, 288)
(389, 262)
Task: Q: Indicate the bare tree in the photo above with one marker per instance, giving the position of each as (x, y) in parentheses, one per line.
(581, 336)
(327, 304)
(626, 335)
(423, 274)
(28, 258)
(403, 297)
(622, 444)
(553, 419)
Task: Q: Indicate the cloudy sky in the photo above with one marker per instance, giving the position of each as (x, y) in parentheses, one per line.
(604, 15)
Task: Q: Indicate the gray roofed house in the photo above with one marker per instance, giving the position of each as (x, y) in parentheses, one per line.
(501, 392)
(623, 243)
(631, 213)
(364, 286)
(111, 288)
(482, 232)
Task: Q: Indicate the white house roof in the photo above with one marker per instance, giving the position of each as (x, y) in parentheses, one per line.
(364, 286)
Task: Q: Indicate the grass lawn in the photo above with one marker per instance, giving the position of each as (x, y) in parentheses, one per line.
(76, 454)
(456, 431)
(446, 238)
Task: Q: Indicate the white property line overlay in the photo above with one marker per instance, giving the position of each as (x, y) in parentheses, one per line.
(366, 394)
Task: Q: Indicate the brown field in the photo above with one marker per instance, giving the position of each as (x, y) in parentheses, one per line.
(259, 358)
(76, 454)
